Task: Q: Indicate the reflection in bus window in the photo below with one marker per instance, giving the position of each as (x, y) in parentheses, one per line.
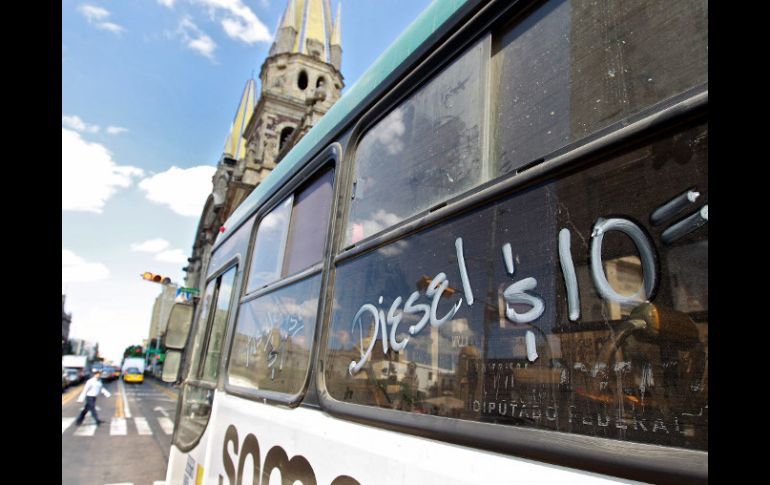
(425, 151)
(267, 256)
(571, 68)
(210, 367)
(560, 307)
(309, 222)
(201, 327)
(273, 337)
(566, 71)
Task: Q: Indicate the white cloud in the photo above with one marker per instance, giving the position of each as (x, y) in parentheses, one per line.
(98, 16)
(172, 256)
(239, 21)
(112, 27)
(89, 175)
(150, 246)
(76, 123)
(75, 269)
(116, 130)
(196, 39)
(183, 190)
(93, 13)
(167, 3)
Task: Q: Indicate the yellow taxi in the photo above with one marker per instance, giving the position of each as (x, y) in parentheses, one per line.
(133, 374)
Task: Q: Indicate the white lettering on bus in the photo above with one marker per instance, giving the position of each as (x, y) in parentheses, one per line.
(646, 253)
(568, 270)
(514, 294)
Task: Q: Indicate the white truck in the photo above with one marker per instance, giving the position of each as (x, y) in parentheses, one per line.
(75, 366)
(129, 362)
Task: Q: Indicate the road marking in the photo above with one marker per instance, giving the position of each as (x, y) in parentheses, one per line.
(121, 483)
(126, 409)
(71, 394)
(162, 411)
(142, 427)
(159, 482)
(165, 390)
(66, 423)
(118, 427)
(119, 405)
(86, 430)
(166, 424)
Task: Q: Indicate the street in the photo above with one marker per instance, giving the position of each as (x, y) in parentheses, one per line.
(131, 446)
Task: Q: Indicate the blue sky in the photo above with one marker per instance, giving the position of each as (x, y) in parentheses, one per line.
(149, 89)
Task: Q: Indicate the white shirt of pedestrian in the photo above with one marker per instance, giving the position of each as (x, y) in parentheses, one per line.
(93, 388)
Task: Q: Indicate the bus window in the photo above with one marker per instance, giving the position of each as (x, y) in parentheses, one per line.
(274, 333)
(307, 232)
(571, 68)
(210, 366)
(198, 392)
(578, 304)
(273, 338)
(423, 152)
(267, 256)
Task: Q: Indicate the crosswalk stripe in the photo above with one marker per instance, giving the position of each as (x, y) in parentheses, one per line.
(66, 423)
(118, 427)
(86, 430)
(159, 482)
(142, 427)
(166, 424)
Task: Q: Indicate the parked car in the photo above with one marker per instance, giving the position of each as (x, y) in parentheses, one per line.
(64, 381)
(74, 376)
(133, 374)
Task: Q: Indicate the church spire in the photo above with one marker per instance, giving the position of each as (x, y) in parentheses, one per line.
(335, 44)
(308, 27)
(314, 36)
(235, 145)
(288, 28)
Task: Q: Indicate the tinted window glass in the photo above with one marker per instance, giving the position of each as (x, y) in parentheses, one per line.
(273, 338)
(194, 415)
(309, 224)
(425, 151)
(267, 256)
(572, 67)
(201, 327)
(218, 325)
(531, 311)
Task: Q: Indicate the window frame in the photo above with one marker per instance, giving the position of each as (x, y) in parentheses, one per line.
(329, 158)
(622, 459)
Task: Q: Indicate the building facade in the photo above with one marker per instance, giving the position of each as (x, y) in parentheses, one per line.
(66, 321)
(299, 81)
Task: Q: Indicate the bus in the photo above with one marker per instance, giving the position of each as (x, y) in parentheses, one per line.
(487, 263)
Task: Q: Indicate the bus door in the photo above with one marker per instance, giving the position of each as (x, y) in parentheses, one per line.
(197, 393)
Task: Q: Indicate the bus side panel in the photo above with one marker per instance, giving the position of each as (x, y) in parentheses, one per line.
(189, 468)
(311, 447)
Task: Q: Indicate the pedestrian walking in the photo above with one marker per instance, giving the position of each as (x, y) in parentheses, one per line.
(92, 389)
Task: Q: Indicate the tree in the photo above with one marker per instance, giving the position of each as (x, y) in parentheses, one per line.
(133, 351)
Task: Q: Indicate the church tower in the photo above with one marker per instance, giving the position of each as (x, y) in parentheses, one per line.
(300, 81)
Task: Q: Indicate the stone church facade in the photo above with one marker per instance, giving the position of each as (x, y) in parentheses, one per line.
(299, 81)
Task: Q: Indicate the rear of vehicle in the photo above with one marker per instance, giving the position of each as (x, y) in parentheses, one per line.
(108, 373)
(487, 263)
(133, 375)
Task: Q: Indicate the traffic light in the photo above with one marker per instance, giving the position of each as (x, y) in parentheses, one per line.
(156, 278)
